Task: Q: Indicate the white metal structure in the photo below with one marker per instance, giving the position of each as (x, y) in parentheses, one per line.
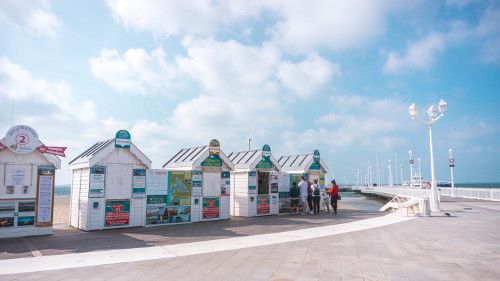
(432, 112)
(410, 153)
(452, 165)
(88, 212)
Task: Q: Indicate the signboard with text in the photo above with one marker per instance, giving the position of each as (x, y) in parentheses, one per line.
(117, 213)
(211, 207)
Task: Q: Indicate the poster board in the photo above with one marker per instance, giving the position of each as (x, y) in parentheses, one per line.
(45, 196)
(138, 183)
(263, 204)
(179, 188)
(252, 182)
(196, 183)
(117, 213)
(211, 207)
(225, 184)
(97, 181)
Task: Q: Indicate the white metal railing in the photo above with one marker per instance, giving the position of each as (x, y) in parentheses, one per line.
(471, 193)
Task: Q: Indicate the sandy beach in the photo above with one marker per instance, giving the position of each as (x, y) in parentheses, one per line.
(61, 210)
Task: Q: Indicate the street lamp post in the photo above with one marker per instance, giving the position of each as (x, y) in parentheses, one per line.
(401, 175)
(410, 153)
(452, 165)
(390, 173)
(419, 174)
(432, 112)
(378, 174)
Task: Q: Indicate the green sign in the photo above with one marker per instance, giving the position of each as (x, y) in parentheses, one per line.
(264, 164)
(315, 166)
(212, 160)
(157, 200)
(122, 139)
(266, 152)
(316, 156)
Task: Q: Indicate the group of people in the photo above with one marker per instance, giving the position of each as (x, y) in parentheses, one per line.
(310, 195)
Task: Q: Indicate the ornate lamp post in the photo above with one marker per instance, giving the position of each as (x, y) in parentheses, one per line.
(410, 153)
(390, 173)
(452, 161)
(432, 112)
(419, 174)
(401, 175)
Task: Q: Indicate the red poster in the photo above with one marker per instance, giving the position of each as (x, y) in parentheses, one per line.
(117, 218)
(210, 208)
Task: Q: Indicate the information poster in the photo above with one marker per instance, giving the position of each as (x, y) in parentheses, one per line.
(18, 177)
(157, 200)
(139, 183)
(7, 214)
(179, 189)
(294, 178)
(263, 204)
(157, 182)
(274, 183)
(225, 184)
(196, 183)
(117, 213)
(97, 181)
(252, 182)
(211, 208)
(45, 195)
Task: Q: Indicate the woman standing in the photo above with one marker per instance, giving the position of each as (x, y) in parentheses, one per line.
(316, 196)
(334, 196)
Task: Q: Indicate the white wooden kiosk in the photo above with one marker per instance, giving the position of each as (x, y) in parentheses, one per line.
(308, 165)
(108, 188)
(209, 169)
(26, 184)
(254, 183)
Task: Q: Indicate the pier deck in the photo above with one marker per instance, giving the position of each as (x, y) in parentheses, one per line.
(351, 246)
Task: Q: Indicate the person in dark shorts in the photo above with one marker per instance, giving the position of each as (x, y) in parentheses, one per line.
(334, 196)
(316, 196)
(310, 197)
(294, 195)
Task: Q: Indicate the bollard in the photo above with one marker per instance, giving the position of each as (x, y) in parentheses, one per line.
(424, 207)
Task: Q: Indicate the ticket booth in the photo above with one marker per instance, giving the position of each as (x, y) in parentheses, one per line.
(308, 165)
(27, 176)
(255, 183)
(208, 169)
(108, 185)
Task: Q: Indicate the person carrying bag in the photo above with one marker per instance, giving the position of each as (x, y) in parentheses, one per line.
(334, 196)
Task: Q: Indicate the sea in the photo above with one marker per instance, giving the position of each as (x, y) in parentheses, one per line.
(349, 198)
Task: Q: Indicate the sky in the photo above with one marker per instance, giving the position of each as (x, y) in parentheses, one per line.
(337, 76)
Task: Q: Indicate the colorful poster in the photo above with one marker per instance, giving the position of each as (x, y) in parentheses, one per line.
(117, 213)
(157, 200)
(26, 206)
(6, 221)
(10, 189)
(225, 184)
(294, 178)
(139, 183)
(179, 188)
(252, 182)
(18, 177)
(263, 204)
(157, 182)
(213, 160)
(7, 209)
(322, 181)
(211, 208)
(274, 183)
(26, 221)
(45, 196)
(180, 214)
(196, 183)
(97, 181)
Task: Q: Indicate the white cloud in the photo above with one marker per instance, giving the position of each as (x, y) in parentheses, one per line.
(353, 121)
(420, 54)
(460, 3)
(134, 72)
(306, 77)
(34, 16)
(488, 30)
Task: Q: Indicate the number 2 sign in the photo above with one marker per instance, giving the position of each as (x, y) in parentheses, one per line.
(21, 139)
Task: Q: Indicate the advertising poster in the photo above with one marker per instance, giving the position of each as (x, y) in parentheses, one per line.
(9, 189)
(17, 177)
(157, 182)
(322, 182)
(179, 189)
(6, 221)
(225, 183)
(196, 183)
(263, 204)
(294, 178)
(26, 206)
(45, 195)
(252, 182)
(26, 221)
(139, 183)
(7, 209)
(117, 212)
(180, 214)
(97, 181)
(274, 183)
(283, 182)
(156, 200)
(211, 208)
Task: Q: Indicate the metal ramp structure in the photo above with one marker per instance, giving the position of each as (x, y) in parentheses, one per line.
(405, 204)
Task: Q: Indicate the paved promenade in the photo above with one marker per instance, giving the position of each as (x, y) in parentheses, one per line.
(353, 245)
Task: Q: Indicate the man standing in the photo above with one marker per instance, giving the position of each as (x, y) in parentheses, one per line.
(294, 195)
(303, 193)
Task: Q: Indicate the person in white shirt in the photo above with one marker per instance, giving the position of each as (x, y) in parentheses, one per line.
(303, 194)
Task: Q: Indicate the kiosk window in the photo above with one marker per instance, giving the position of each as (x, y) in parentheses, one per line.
(263, 182)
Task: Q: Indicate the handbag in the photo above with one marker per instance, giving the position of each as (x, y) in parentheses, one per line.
(340, 197)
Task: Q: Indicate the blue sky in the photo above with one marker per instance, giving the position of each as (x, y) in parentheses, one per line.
(337, 76)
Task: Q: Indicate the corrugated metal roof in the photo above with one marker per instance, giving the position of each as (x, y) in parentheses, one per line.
(186, 157)
(243, 159)
(93, 150)
(298, 162)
